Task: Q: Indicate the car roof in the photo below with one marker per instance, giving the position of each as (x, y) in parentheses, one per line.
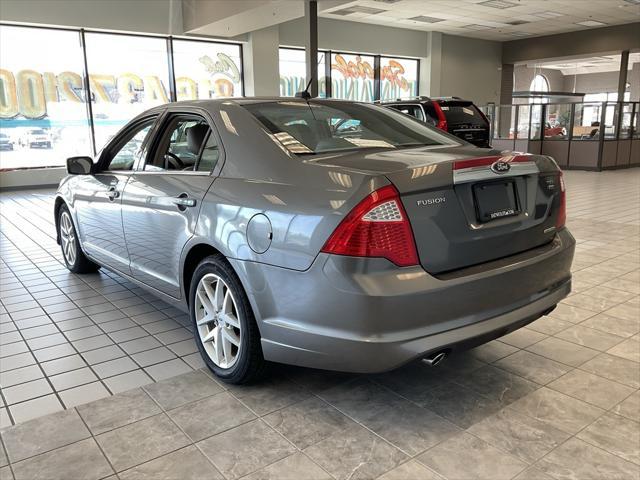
(420, 99)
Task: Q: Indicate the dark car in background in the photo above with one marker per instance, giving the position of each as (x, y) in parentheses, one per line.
(451, 114)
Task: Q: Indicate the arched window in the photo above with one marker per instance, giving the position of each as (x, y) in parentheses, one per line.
(539, 84)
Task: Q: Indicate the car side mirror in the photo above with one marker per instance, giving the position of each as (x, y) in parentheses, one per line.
(79, 165)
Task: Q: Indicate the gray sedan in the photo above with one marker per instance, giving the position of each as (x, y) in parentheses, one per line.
(320, 233)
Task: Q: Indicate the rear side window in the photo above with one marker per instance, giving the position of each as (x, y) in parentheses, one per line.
(462, 113)
(413, 110)
(186, 144)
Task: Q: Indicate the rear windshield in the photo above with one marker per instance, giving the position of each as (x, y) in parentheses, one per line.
(460, 113)
(324, 126)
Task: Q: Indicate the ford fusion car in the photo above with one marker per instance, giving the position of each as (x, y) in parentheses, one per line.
(319, 233)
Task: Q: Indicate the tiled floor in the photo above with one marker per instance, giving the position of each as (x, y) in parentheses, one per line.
(558, 399)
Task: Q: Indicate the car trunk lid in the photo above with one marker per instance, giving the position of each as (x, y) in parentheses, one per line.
(469, 211)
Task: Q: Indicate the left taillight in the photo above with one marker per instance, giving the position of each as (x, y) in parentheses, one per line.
(377, 227)
(561, 219)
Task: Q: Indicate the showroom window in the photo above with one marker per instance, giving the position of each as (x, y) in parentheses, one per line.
(42, 100)
(127, 75)
(398, 78)
(352, 76)
(293, 72)
(539, 84)
(206, 70)
(44, 88)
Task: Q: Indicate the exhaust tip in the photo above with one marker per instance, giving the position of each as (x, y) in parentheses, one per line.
(434, 359)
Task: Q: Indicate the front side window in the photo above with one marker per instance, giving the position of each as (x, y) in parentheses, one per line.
(129, 149)
(326, 126)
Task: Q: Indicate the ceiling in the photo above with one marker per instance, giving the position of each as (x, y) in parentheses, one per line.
(489, 19)
(604, 63)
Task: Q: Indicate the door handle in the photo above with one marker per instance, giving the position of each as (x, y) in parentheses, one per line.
(183, 201)
(112, 193)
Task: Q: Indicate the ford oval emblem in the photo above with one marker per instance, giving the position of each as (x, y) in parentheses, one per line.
(500, 167)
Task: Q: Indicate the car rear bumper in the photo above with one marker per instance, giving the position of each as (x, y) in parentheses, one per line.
(367, 315)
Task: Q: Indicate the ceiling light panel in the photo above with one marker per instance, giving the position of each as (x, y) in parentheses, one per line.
(548, 14)
(474, 26)
(425, 19)
(590, 23)
(358, 9)
(501, 4)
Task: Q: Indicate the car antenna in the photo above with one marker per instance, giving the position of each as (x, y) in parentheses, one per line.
(305, 93)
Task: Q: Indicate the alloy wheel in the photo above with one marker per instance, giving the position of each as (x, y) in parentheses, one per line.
(68, 238)
(217, 320)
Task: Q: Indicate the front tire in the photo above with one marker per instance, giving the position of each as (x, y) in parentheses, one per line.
(74, 258)
(225, 328)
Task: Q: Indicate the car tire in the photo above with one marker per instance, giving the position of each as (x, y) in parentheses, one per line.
(73, 256)
(248, 364)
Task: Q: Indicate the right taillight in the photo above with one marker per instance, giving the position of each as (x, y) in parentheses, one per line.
(442, 120)
(561, 219)
(377, 227)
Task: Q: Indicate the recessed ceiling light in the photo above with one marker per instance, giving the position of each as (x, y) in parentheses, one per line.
(474, 26)
(498, 4)
(422, 18)
(590, 23)
(549, 14)
(358, 9)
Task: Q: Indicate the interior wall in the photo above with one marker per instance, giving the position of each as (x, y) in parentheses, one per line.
(144, 16)
(470, 68)
(583, 43)
(357, 37)
(592, 82)
(523, 76)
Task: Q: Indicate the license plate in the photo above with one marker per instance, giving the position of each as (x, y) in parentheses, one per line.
(495, 200)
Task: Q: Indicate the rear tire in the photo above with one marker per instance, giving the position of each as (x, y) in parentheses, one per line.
(225, 328)
(74, 258)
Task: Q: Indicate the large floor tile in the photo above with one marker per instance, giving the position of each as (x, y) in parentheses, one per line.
(563, 351)
(139, 442)
(481, 460)
(614, 368)
(117, 411)
(182, 389)
(245, 449)
(43, 434)
(461, 406)
(616, 435)
(184, 464)
(520, 435)
(355, 454)
(78, 460)
(497, 384)
(630, 407)
(308, 422)
(558, 410)
(577, 459)
(293, 467)
(533, 367)
(591, 388)
(210, 416)
(274, 393)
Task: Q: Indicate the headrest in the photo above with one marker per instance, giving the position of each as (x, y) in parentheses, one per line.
(195, 137)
